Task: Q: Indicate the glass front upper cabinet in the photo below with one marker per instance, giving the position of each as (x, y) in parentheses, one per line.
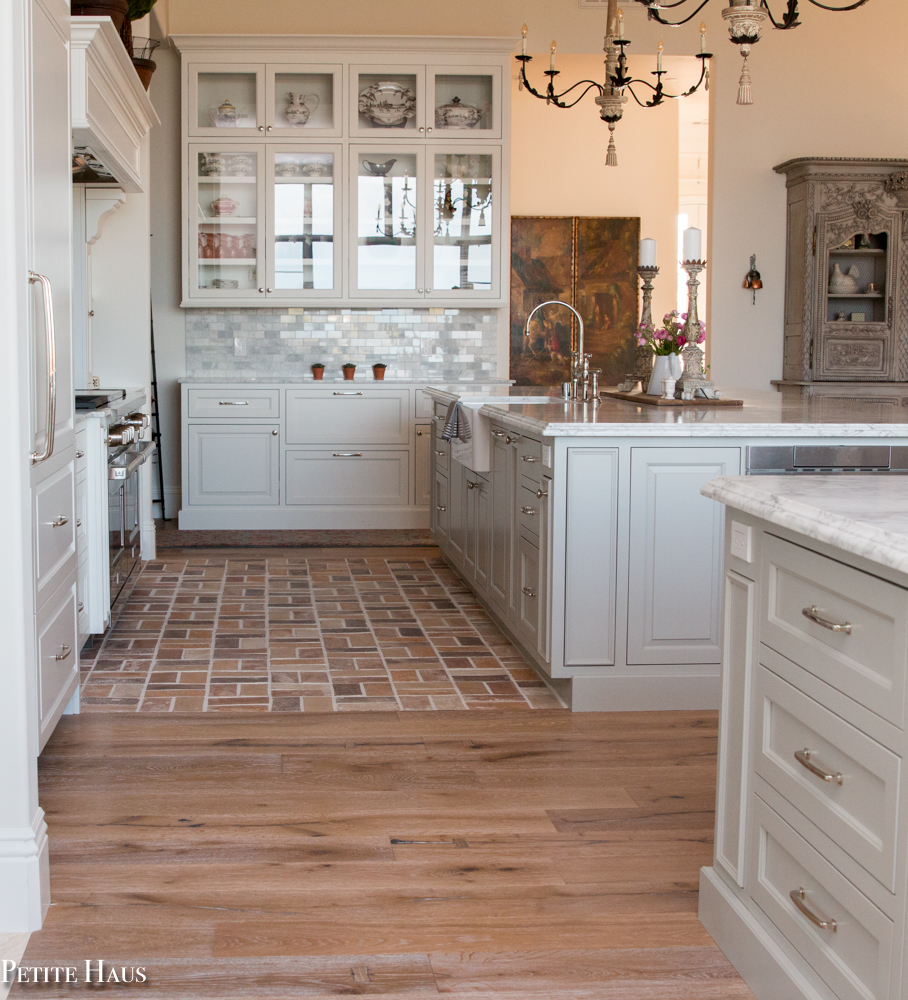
(859, 280)
(227, 101)
(304, 102)
(386, 197)
(387, 101)
(226, 189)
(465, 224)
(467, 103)
(304, 215)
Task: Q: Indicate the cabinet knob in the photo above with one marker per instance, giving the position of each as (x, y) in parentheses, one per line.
(529, 592)
(261, 128)
(440, 454)
(439, 506)
(473, 486)
(269, 290)
(58, 522)
(429, 290)
(78, 522)
(429, 129)
(421, 129)
(540, 494)
(261, 291)
(419, 434)
(530, 458)
(270, 128)
(274, 433)
(80, 606)
(80, 454)
(419, 291)
(530, 511)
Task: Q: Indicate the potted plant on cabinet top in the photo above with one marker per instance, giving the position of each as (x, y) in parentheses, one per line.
(116, 10)
(318, 371)
(349, 371)
(378, 371)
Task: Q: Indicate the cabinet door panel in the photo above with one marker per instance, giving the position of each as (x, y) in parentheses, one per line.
(457, 515)
(439, 510)
(591, 547)
(676, 538)
(234, 465)
(347, 477)
(423, 460)
(348, 417)
(528, 592)
(211, 90)
(55, 531)
(58, 659)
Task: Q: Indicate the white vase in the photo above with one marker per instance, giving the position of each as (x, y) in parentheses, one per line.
(664, 366)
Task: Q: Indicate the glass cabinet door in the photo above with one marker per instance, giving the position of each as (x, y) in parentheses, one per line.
(226, 187)
(227, 101)
(465, 102)
(465, 223)
(858, 280)
(304, 215)
(387, 248)
(387, 101)
(304, 101)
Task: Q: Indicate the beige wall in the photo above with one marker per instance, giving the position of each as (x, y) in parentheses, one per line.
(558, 163)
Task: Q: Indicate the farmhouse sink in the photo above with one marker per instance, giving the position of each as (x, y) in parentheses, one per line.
(477, 453)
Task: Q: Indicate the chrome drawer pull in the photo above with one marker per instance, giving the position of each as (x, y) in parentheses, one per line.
(64, 652)
(80, 454)
(797, 897)
(529, 510)
(347, 454)
(529, 592)
(530, 458)
(499, 434)
(439, 506)
(80, 607)
(58, 522)
(473, 486)
(540, 494)
(803, 758)
(233, 402)
(440, 454)
(813, 613)
(347, 394)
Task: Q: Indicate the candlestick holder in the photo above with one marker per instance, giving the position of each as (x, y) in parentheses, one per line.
(693, 380)
(643, 361)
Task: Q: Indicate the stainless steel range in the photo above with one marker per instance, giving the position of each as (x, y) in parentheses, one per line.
(126, 453)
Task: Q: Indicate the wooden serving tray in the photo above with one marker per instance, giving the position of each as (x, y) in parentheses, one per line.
(642, 397)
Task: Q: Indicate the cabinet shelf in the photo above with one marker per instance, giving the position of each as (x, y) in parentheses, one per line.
(854, 295)
(864, 252)
(232, 220)
(228, 261)
(304, 179)
(224, 178)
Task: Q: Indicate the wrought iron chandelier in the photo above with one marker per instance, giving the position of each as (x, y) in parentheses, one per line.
(745, 26)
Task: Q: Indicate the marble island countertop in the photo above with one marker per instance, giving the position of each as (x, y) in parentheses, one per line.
(359, 381)
(764, 414)
(866, 515)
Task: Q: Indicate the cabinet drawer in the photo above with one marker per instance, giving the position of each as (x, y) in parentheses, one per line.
(442, 448)
(345, 476)
(860, 814)
(234, 404)
(348, 416)
(854, 960)
(81, 515)
(55, 535)
(233, 465)
(58, 660)
(81, 461)
(866, 662)
(439, 511)
(529, 512)
(425, 405)
(528, 594)
(530, 461)
(82, 588)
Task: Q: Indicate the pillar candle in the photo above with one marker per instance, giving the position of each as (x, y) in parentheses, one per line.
(647, 253)
(692, 244)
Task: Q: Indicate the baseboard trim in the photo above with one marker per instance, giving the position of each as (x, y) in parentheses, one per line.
(651, 692)
(24, 876)
(302, 518)
(761, 963)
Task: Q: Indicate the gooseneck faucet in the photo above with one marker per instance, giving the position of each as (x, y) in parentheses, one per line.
(580, 362)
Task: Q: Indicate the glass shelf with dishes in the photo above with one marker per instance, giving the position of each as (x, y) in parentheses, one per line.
(858, 280)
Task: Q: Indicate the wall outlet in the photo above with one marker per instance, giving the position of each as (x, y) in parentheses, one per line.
(239, 347)
(741, 546)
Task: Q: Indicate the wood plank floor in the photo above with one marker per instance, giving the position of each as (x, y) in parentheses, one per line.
(497, 854)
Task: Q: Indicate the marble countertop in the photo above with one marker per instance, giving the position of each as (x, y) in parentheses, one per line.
(764, 414)
(866, 515)
(365, 380)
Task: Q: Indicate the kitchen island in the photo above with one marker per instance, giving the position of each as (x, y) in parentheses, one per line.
(586, 538)
(806, 893)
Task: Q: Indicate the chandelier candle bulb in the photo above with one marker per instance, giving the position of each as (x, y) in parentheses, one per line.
(692, 244)
(552, 59)
(659, 52)
(621, 24)
(703, 36)
(523, 40)
(647, 253)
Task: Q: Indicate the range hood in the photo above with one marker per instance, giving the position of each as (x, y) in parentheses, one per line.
(111, 112)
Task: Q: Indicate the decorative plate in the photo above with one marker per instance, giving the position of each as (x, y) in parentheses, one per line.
(387, 104)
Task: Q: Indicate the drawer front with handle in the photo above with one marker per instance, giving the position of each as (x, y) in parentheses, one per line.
(58, 660)
(342, 476)
(833, 926)
(530, 461)
(845, 626)
(348, 416)
(841, 779)
(234, 404)
(54, 501)
(442, 448)
(529, 513)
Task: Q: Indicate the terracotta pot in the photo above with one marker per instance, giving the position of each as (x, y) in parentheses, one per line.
(379, 374)
(349, 373)
(145, 68)
(318, 374)
(116, 10)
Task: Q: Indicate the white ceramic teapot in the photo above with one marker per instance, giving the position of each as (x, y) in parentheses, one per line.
(300, 108)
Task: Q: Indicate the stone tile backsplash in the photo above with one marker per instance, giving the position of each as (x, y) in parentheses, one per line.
(283, 343)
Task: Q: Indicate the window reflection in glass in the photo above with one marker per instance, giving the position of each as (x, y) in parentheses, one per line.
(463, 217)
(304, 220)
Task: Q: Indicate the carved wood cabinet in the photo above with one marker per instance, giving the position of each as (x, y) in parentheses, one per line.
(846, 295)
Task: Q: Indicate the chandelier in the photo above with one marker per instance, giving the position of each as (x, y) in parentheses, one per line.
(745, 25)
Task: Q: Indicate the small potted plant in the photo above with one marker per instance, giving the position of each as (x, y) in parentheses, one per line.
(378, 371)
(318, 371)
(349, 371)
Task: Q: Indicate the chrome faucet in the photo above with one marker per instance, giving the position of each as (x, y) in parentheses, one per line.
(580, 362)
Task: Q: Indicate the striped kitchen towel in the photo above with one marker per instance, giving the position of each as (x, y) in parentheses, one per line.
(457, 426)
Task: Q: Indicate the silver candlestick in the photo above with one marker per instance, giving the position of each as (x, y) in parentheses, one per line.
(643, 362)
(693, 380)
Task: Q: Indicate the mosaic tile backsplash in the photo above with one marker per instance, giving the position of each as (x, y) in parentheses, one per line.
(282, 343)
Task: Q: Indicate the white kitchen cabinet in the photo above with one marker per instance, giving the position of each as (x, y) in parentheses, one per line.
(426, 195)
(503, 515)
(347, 478)
(457, 512)
(58, 656)
(439, 509)
(234, 465)
(476, 501)
(422, 458)
(676, 536)
(347, 415)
